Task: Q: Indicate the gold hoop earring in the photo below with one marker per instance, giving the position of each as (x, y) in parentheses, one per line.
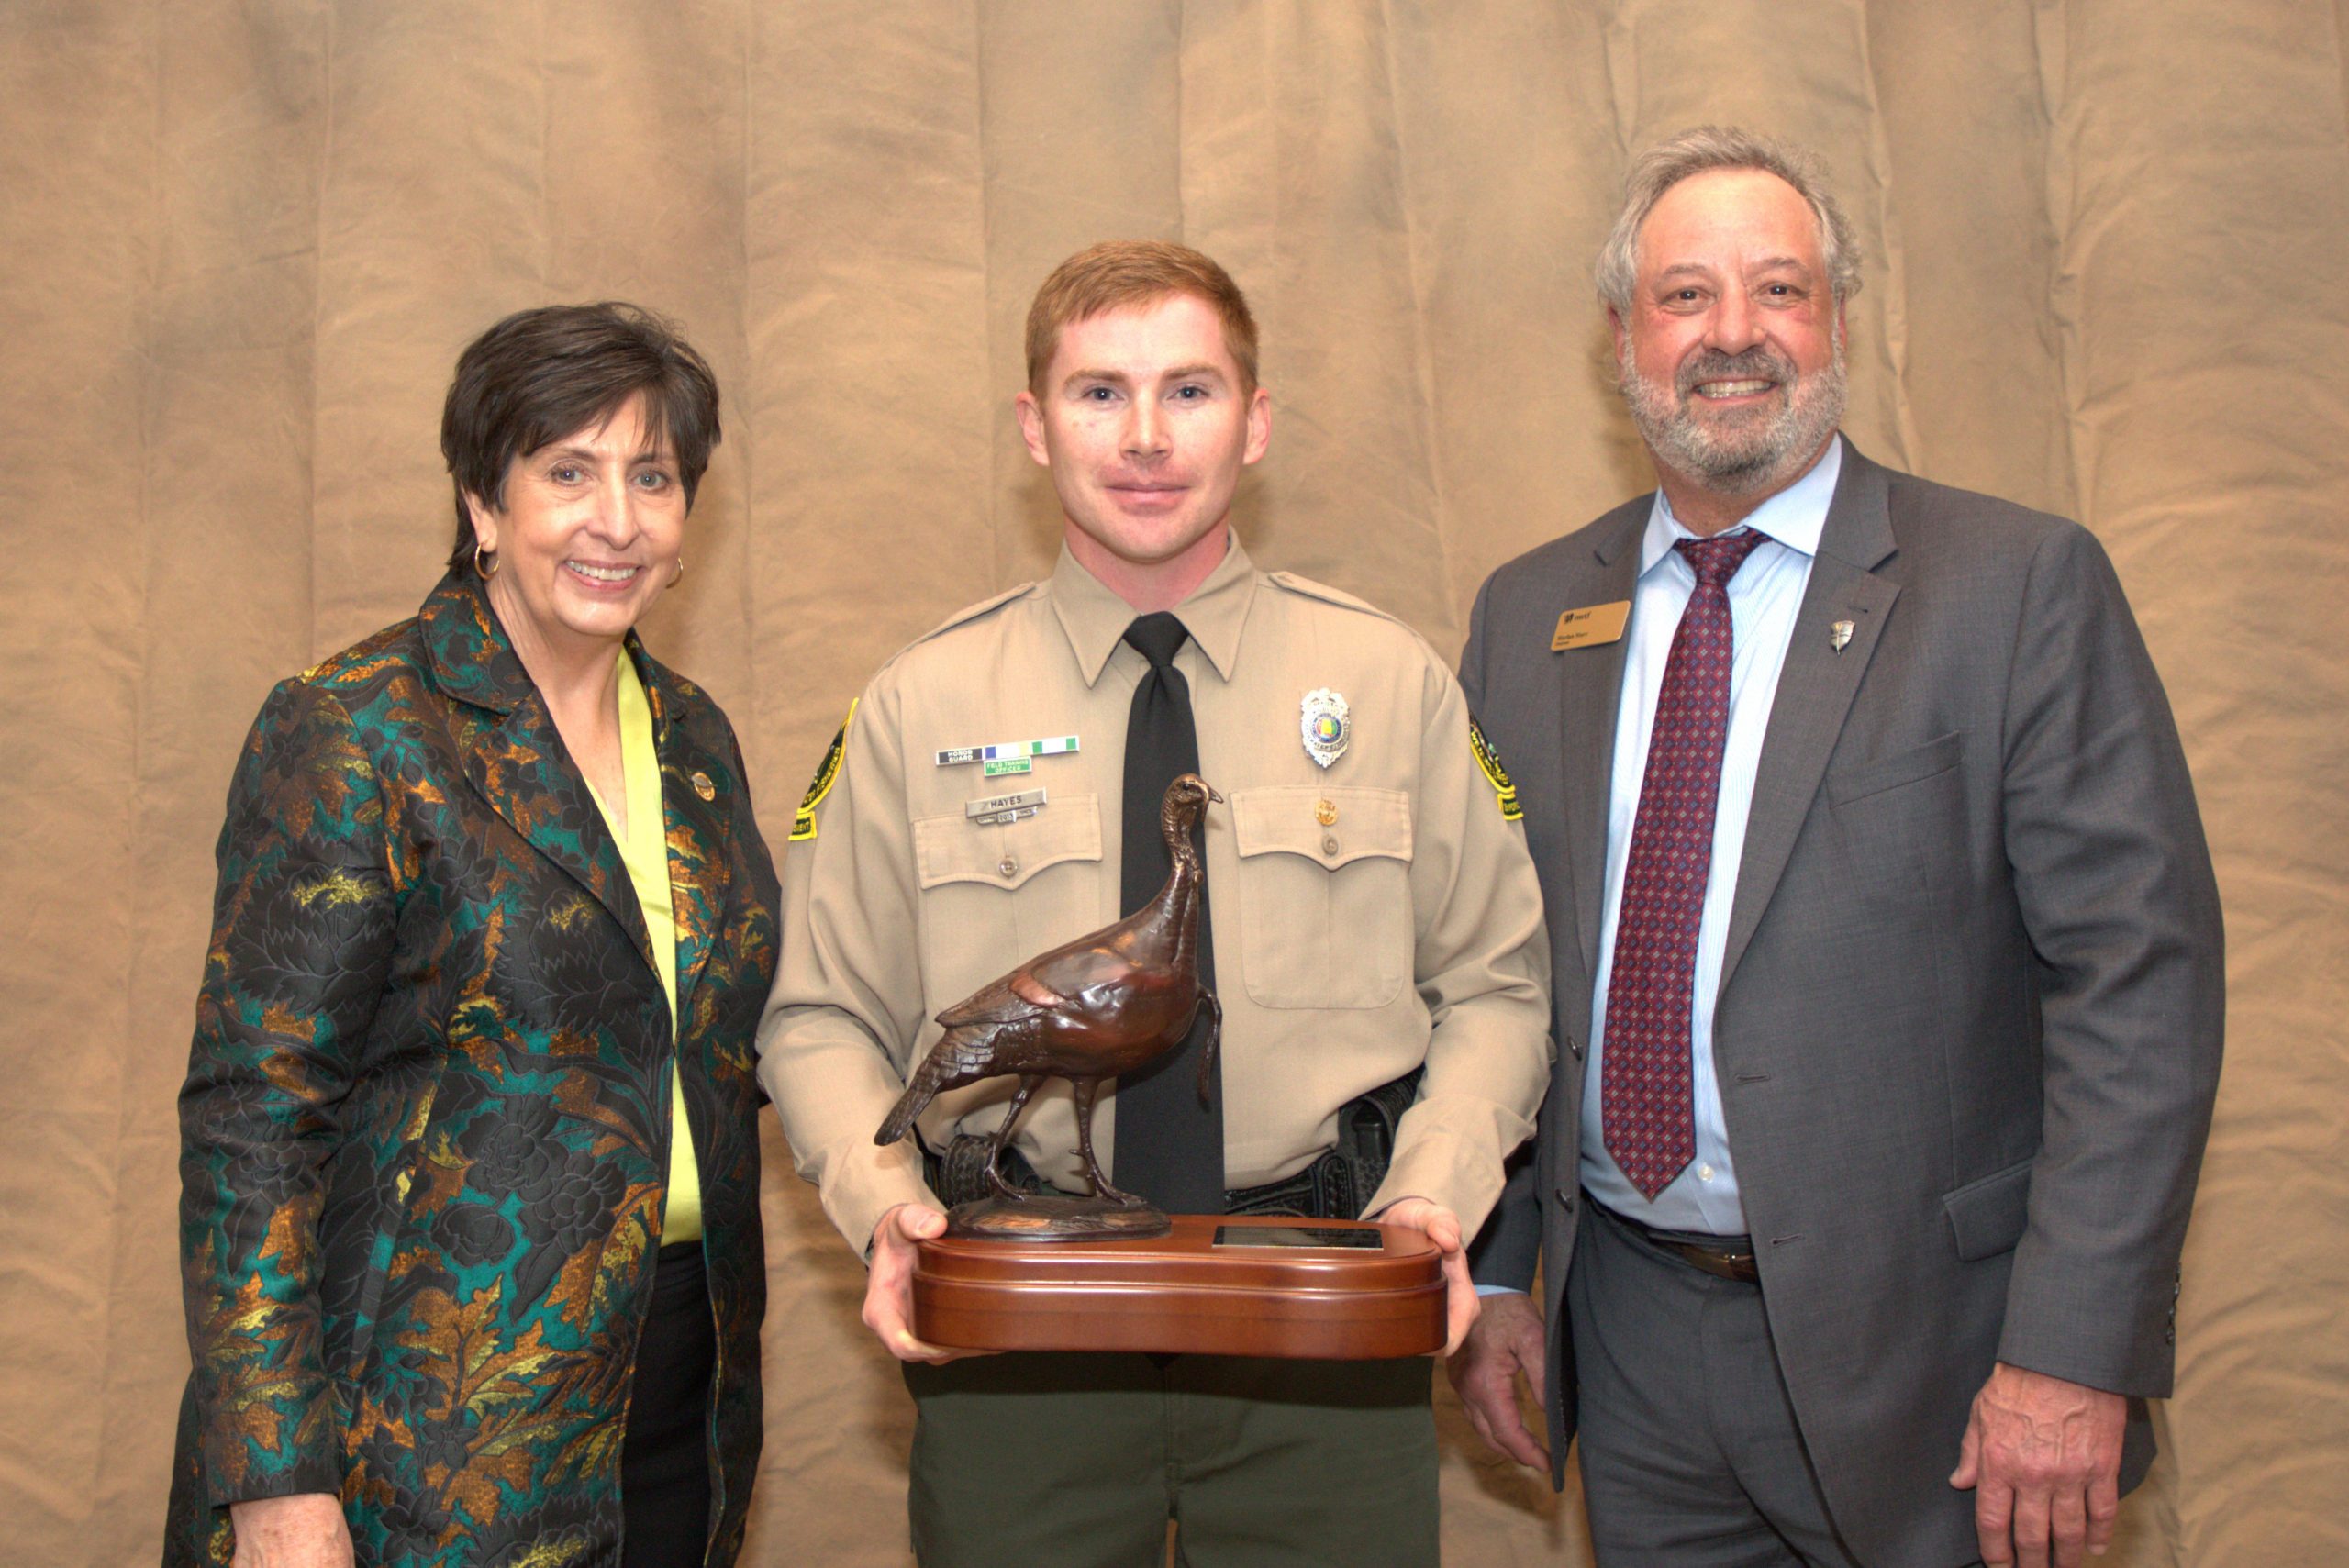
(489, 570)
(681, 570)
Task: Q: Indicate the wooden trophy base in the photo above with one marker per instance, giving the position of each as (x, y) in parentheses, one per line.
(1259, 1293)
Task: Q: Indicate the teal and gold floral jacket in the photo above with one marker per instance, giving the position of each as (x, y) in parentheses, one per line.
(425, 1126)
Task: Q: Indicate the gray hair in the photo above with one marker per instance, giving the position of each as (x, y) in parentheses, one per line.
(1700, 151)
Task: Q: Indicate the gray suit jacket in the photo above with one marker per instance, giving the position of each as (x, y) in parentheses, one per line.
(1968, 1029)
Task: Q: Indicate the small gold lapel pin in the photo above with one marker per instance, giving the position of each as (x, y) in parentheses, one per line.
(709, 791)
(1839, 636)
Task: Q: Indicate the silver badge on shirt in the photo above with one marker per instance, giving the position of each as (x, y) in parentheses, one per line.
(1324, 725)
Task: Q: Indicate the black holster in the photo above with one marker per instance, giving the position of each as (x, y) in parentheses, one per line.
(1334, 1186)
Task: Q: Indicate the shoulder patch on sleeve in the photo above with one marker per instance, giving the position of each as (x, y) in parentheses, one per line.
(1495, 774)
(827, 771)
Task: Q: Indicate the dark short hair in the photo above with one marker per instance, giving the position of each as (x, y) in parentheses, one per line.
(540, 374)
(1120, 274)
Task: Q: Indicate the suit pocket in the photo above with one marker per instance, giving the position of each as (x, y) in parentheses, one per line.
(1937, 756)
(1987, 1217)
(1325, 906)
(995, 894)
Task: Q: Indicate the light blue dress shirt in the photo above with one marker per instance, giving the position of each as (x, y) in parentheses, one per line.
(1763, 600)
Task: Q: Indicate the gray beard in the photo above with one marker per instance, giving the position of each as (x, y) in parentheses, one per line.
(1758, 453)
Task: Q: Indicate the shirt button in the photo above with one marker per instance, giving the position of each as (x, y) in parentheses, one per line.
(1008, 866)
(1328, 844)
(1704, 1172)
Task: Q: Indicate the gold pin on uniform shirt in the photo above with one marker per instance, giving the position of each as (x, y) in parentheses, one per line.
(1349, 902)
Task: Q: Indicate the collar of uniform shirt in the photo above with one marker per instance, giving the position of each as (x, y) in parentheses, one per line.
(1795, 517)
(1096, 619)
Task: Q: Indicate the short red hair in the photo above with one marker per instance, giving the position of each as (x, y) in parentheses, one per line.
(1118, 274)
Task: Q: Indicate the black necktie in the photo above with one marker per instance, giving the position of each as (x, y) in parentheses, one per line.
(1170, 1147)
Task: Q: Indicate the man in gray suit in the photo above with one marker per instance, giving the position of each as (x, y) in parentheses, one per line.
(1886, 953)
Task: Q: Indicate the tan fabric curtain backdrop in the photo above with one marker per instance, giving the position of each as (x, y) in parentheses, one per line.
(241, 244)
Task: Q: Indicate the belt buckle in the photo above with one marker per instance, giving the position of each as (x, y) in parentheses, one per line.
(1722, 1264)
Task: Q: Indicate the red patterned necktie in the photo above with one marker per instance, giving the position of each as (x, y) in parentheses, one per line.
(1644, 1099)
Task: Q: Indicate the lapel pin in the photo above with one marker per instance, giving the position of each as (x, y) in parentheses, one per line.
(1839, 636)
(704, 788)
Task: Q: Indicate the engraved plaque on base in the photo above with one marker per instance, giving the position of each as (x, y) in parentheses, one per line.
(1220, 1284)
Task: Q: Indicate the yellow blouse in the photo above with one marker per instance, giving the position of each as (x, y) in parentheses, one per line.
(644, 849)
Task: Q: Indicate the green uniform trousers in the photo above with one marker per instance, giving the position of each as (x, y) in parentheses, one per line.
(1035, 1461)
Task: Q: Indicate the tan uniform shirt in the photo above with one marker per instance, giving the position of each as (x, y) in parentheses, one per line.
(1405, 929)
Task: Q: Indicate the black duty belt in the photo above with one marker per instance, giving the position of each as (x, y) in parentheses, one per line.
(1335, 1186)
(1724, 1257)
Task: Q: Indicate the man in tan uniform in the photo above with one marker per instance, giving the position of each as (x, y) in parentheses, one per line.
(1373, 912)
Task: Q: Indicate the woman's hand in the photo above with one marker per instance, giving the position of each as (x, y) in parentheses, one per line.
(303, 1530)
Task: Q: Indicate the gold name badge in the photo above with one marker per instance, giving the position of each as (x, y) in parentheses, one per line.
(1590, 625)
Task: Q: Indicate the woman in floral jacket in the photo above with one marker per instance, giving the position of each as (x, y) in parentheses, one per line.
(470, 1159)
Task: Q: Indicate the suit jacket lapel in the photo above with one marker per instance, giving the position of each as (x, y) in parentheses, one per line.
(1816, 686)
(1590, 689)
(700, 871)
(515, 758)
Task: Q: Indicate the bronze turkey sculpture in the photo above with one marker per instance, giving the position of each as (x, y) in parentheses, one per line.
(1103, 1005)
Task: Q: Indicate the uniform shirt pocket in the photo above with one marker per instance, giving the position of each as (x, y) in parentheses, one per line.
(995, 894)
(1325, 894)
